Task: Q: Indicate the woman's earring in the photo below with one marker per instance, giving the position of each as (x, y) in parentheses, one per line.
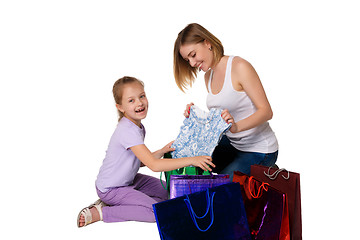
(210, 48)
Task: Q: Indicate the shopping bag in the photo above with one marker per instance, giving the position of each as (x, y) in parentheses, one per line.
(266, 208)
(289, 183)
(190, 170)
(187, 184)
(215, 214)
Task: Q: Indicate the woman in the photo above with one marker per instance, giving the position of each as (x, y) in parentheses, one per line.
(233, 85)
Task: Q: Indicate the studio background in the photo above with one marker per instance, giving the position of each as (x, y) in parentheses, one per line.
(58, 63)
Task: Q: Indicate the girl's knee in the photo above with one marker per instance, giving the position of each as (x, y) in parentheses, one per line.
(149, 216)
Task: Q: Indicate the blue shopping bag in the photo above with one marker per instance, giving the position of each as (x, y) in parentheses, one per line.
(215, 214)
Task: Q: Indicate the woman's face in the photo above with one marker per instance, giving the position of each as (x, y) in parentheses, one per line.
(198, 55)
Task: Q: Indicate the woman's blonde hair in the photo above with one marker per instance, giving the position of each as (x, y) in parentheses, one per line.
(193, 33)
(118, 89)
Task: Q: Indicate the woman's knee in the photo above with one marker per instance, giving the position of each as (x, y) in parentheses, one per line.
(270, 159)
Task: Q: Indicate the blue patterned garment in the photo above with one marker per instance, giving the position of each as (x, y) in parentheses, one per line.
(200, 133)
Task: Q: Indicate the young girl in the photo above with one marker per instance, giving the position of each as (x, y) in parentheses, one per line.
(125, 194)
(233, 85)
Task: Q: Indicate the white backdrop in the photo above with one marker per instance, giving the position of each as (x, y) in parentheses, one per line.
(59, 60)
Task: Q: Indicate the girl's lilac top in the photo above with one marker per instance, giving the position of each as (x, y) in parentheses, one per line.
(120, 165)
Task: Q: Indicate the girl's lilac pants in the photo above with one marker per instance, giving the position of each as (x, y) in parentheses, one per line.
(134, 202)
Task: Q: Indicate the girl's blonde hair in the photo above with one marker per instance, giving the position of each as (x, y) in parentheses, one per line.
(193, 33)
(118, 89)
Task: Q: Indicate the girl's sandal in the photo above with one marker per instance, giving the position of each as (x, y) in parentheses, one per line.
(87, 213)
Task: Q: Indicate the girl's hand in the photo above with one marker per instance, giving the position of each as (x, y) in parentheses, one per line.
(160, 153)
(229, 119)
(187, 110)
(167, 148)
(204, 162)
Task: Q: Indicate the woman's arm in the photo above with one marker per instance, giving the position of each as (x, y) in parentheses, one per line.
(246, 79)
(167, 164)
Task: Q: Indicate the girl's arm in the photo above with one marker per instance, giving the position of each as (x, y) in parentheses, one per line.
(246, 79)
(167, 164)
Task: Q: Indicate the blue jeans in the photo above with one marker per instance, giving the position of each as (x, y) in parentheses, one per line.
(228, 159)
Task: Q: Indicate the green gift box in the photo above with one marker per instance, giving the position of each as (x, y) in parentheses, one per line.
(190, 170)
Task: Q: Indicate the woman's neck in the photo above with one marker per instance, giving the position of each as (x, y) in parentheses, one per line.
(218, 64)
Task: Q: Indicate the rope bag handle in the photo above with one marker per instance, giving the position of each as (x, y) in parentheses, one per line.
(263, 186)
(179, 171)
(210, 207)
(275, 174)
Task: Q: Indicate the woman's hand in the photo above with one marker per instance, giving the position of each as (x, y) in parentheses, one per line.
(204, 162)
(187, 110)
(229, 119)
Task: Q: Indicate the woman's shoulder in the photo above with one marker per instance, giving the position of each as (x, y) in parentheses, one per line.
(241, 65)
(240, 62)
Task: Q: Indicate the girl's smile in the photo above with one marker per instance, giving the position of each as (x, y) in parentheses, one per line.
(134, 104)
(140, 110)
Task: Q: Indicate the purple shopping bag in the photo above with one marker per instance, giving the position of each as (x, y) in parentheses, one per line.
(187, 184)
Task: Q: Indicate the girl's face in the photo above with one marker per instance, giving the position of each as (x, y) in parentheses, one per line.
(134, 103)
(198, 55)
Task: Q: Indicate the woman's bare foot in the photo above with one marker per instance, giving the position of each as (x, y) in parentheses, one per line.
(94, 215)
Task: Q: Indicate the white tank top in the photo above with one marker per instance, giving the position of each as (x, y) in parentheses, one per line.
(258, 139)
